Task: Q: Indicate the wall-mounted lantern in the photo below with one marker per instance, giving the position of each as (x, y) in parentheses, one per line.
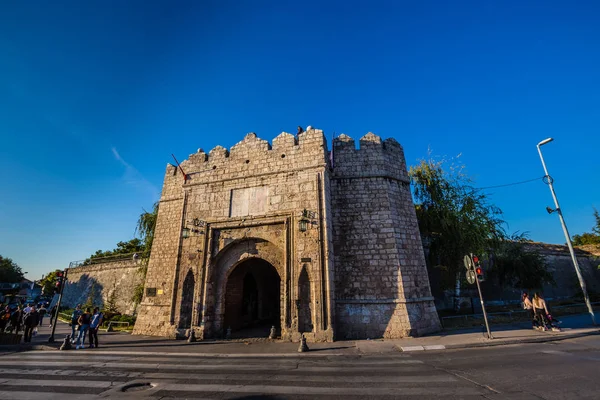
(304, 221)
(196, 223)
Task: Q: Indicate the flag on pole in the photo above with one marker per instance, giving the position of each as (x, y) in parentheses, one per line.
(331, 152)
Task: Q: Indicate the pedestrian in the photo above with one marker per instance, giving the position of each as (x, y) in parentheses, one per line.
(52, 315)
(16, 318)
(541, 311)
(74, 321)
(84, 325)
(528, 307)
(30, 321)
(42, 311)
(27, 309)
(94, 325)
(4, 318)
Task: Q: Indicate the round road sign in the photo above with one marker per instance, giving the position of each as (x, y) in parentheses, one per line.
(469, 263)
(471, 276)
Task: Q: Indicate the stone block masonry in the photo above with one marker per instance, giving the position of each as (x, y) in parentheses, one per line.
(268, 235)
(112, 281)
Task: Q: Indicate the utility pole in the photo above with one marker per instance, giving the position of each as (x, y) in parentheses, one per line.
(566, 231)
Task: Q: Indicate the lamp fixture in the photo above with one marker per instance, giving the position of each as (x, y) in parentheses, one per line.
(550, 210)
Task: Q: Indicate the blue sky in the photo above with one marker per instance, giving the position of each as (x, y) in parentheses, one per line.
(95, 96)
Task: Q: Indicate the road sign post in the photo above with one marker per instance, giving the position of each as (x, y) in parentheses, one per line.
(487, 325)
(473, 278)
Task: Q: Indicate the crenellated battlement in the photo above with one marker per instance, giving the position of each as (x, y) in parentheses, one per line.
(253, 155)
(373, 157)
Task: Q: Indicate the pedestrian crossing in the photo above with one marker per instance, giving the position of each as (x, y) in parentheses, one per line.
(98, 374)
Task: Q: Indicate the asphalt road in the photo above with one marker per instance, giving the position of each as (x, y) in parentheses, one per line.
(559, 370)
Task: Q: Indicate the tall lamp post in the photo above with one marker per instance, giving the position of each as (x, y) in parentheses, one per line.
(565, 230)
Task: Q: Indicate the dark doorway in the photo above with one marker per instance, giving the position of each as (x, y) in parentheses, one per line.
(187, 301)
(252, 299)
(305, 323)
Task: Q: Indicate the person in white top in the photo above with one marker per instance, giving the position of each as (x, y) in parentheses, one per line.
(528, 306)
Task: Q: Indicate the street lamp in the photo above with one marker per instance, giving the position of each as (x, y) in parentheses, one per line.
(558, 210)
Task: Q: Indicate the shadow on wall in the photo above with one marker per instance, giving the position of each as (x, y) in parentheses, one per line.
(86, 290)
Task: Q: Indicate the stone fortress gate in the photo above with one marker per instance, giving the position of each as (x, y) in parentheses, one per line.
(275, 235)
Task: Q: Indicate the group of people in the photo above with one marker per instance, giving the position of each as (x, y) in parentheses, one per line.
(540, 316)
(28, 318)
(85, 322)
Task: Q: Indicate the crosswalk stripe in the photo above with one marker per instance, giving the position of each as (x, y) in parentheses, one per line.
(54, 382)
(72, 374)
(37, 395)
(319, 391)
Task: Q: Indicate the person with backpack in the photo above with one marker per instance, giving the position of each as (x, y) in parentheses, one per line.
(30, 321)
(74, 321)
(94, 325)
(84, 324)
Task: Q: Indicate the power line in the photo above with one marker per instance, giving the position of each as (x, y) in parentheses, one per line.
(511, 184)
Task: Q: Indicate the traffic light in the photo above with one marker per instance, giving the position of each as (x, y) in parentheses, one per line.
(478, 269)
(59, 281)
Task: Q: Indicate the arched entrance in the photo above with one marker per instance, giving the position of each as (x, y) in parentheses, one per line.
(252, 299)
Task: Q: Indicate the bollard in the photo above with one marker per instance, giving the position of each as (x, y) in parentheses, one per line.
(228, 334)
(66, 343)
(192, 336)
(303, 346)
(273, 333)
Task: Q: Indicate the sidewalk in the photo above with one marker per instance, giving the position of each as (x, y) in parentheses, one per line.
(573, 326)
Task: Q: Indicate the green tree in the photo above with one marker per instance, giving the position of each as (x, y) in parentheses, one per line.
(518, 265)
(10, 272)
(48, 284)
(454, 218)
(135, 245)
(145, 227)
(589, 237)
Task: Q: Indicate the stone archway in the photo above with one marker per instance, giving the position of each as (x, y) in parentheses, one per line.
(252, 299)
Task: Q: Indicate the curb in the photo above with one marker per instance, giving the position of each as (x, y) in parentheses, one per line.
(500, 342)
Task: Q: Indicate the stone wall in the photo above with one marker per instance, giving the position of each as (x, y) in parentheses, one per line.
(560, 265)
(382, 285)
(351, 230)
(116, 280)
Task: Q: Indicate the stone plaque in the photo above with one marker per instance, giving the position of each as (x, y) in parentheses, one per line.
(249, 201)
(150, 292)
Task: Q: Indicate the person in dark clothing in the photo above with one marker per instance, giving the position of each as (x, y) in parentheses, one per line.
(52, 315)
(16, 318)
(94, 325)
(42, 311)
(4, 318)
(31, 321)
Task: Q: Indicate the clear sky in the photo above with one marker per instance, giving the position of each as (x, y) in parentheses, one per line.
(96, 95)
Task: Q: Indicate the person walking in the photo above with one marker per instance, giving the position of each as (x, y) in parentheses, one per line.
(84, 325)
(16, 319)
(4, 318)
(75, 321)
(541, 311)
(53, 315)
(94, 325)
(30, 321)
(42, 312)
(528, 307)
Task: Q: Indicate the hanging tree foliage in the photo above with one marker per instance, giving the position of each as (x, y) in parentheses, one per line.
(456, 219)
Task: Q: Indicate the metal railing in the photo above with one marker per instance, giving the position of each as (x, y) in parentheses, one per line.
(499, 317)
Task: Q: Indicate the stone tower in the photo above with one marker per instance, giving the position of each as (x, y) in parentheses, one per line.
(263, 236)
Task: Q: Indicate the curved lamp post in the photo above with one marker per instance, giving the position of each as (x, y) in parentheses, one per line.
(565, 230)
